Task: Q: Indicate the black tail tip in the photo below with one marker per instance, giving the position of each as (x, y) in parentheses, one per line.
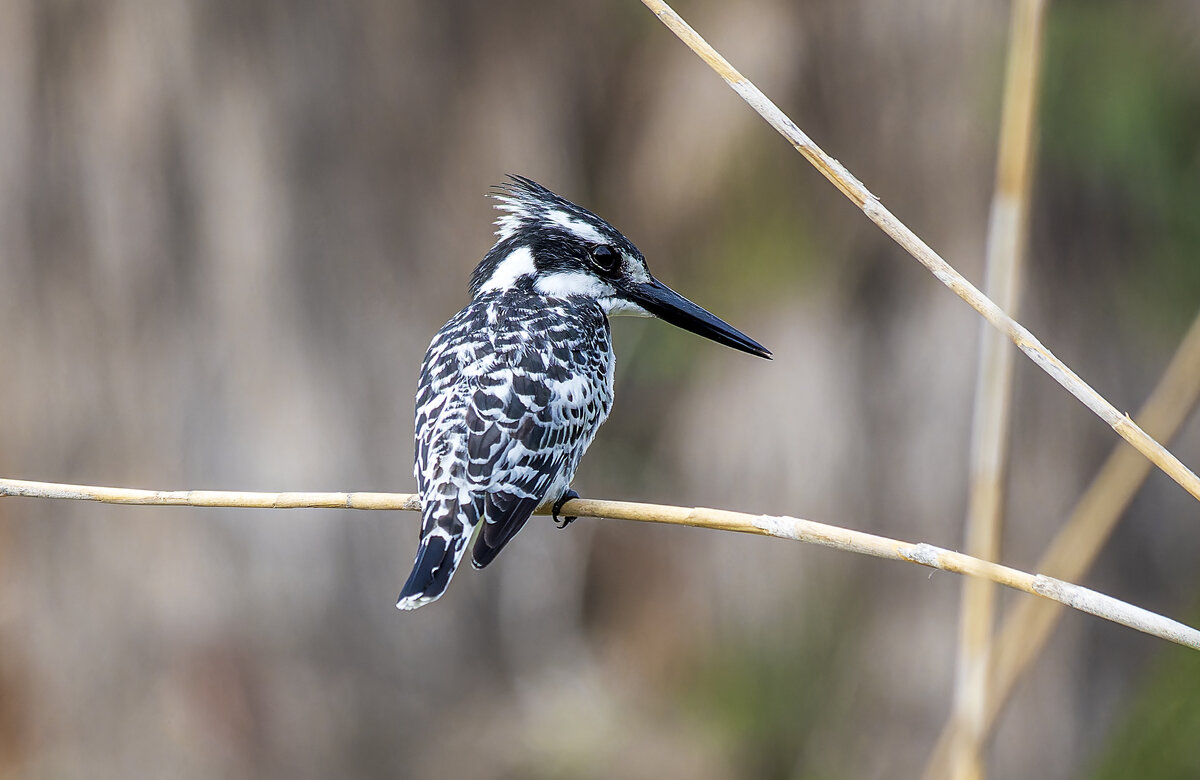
(430, 574)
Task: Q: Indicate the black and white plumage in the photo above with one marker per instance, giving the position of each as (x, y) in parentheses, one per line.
(515, 386)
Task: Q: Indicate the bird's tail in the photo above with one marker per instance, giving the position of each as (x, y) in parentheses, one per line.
(445, 532)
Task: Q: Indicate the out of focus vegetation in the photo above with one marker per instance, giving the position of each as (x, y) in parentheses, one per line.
(1156, 736)
(1121, 124)
(229, 228)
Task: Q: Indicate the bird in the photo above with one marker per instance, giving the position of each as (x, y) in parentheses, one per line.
(514, 387)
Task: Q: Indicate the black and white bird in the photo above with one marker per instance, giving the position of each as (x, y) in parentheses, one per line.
(515, 386)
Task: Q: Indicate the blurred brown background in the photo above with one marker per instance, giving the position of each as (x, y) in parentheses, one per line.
(228, 230)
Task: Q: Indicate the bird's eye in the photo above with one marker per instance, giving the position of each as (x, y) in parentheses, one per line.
(605, 258)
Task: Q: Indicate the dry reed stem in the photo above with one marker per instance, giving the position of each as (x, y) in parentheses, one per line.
(1029, 623)
(990, 435)
(780, 527)
(853, 189)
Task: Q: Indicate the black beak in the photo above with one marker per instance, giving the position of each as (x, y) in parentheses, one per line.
(666, 304)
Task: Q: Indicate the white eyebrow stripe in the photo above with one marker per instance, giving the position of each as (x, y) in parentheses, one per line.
(518, 263)
(635, 270)
(580, 228)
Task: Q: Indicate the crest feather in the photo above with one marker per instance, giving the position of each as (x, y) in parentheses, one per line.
(526, 203)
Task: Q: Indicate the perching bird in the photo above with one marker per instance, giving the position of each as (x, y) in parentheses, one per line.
(514, 386)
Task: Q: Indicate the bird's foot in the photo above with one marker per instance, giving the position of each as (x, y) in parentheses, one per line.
(563, 522)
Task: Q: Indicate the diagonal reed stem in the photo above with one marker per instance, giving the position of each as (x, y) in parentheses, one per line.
(1029, 623)
(853, 189)
(780, 527)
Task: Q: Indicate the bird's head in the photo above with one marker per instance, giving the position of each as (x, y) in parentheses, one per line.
(552, 247)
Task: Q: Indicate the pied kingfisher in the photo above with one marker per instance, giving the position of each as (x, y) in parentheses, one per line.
(514, 386)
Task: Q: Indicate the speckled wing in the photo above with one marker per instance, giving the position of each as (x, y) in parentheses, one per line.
(528, 430)
(512, 393)
(449, 510)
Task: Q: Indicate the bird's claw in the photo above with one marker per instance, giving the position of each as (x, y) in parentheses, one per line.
(563, 522)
